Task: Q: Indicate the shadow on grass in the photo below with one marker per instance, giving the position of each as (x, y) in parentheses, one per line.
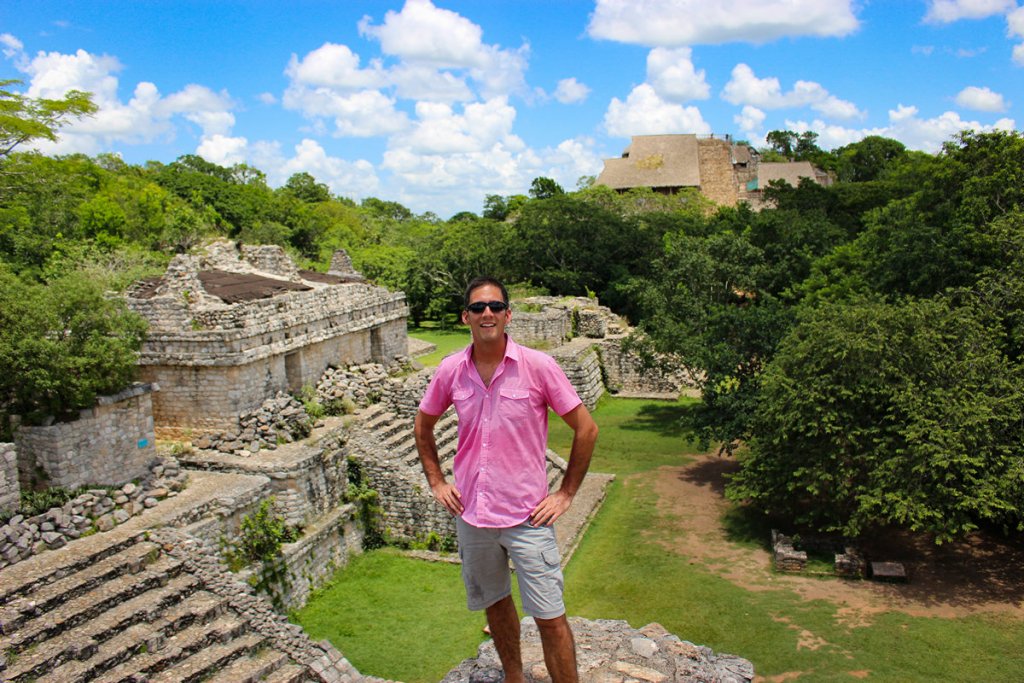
(667, 419)
(742, 524)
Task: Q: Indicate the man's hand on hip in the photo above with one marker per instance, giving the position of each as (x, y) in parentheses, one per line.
(447, 495)
(550, 509)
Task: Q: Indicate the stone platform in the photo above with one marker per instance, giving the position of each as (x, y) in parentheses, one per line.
(613, 652)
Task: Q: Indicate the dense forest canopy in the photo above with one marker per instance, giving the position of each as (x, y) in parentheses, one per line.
(859, 345)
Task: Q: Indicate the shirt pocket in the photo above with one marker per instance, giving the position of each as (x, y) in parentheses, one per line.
(515, 404)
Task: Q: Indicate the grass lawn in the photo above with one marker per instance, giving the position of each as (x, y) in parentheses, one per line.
(405, 619)
(446, 340)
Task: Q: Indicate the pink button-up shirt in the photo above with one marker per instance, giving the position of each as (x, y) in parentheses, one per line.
(500, 464)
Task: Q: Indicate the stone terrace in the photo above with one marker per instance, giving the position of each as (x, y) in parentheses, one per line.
(134, 604)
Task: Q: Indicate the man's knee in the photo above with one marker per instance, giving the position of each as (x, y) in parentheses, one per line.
(554, 625)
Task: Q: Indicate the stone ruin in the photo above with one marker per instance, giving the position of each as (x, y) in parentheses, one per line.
(790, 555)
(234, 332)
(233, 325)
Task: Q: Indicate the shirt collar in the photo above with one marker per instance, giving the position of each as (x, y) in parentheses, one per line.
(512, 351)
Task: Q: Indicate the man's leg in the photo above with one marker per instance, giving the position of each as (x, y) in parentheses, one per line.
(559, 649)
(504, 623)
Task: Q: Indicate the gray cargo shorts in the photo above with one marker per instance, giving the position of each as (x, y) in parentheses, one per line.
(534, 553)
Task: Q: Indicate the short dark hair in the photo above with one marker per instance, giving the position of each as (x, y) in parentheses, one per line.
(482, 281)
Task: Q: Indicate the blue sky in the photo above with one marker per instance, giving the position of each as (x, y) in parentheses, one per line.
(438, 103)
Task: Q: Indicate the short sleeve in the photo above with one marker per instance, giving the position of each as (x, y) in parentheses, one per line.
(561, 395)
(438, 395)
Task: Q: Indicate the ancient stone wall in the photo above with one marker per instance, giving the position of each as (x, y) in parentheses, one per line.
(408, 508)
(306, 479)
(625, 373)
(581, 363)
(10, 490)
(322, 550)
(548, 328)
(717, 176)
(109, 444)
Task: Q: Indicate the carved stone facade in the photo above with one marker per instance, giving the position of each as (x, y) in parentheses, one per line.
(232, 326)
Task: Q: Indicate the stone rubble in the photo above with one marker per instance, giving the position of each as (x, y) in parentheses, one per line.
(611, 651)
(96, 510)
(278, 420)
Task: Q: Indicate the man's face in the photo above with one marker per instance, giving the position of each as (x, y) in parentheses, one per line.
(486, 326)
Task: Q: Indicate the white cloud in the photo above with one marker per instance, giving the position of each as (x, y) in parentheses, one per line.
(268, 98)
(644, 113)
(690, 22)
(223, 150)
(1015, 22)
(904, 125)
(461, 181)
(750, 120)
(673, 76)
(333, 66)
(1015, 28)
(421, 82)
(425, 35)
(980, 99)
(948, 11)
(766, 93)
(209, 110)
(355, 179)
(12, 47)
(571, 91)
(145, 117)
(440, 130)
(361, 114)
(422, 32)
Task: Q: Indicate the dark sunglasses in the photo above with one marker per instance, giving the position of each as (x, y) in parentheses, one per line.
(479, 306)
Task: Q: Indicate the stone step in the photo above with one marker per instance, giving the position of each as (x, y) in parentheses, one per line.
(256, 667)
(290, 673)
(45, 568)
(143, 649)
(53, 641)
(93, 590)
(201, 664)
(446, 436)
(195, 612)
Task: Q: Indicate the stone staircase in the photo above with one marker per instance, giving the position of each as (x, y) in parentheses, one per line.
(118, 607)
(395, 437)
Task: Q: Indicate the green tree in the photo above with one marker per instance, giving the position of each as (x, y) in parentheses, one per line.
(545, 188)
(874, 414)
(24, 119)
(63, 343)
(305, 187)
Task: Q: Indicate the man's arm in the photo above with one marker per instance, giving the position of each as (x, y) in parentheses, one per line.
(584, 437)
(446, 494)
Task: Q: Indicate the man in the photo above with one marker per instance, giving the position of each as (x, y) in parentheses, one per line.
(500, 498)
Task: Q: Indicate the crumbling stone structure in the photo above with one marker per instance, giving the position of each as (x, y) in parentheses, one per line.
(587, 339)
(233, 325)
(10, 490)
(111, 443)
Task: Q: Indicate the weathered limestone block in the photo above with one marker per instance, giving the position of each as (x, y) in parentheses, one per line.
(108, 444)
(10, 490)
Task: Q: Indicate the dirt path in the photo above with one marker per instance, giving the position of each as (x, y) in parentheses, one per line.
(975, 576)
